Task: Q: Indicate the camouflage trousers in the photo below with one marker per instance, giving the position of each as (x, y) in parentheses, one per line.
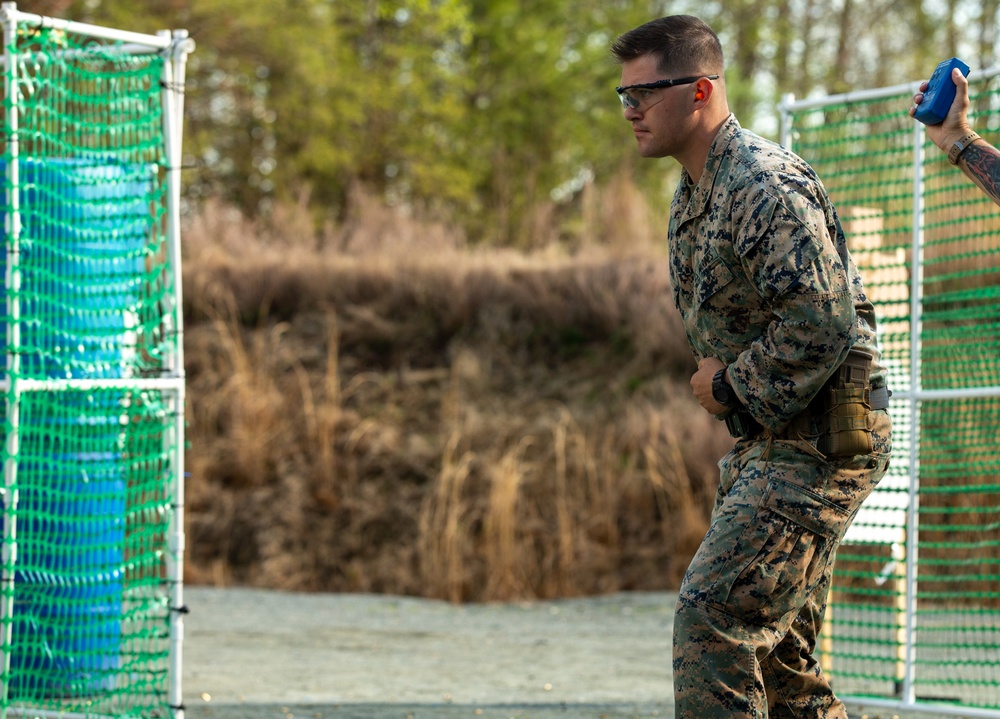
(752, 602)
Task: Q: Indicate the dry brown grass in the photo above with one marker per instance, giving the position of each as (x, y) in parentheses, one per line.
(377, 407)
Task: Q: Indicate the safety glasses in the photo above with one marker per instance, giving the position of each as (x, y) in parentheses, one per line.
(643, 90)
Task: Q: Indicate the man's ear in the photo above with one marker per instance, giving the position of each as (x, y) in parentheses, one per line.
(703, 91)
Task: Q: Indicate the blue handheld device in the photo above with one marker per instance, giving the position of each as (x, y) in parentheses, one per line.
(940, 93)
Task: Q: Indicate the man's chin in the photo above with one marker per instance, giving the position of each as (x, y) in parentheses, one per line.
(650, 151)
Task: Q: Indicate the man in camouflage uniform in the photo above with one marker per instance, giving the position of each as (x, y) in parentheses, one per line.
(772, 304)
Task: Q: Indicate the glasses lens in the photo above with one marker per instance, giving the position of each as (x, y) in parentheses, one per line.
(628, 101)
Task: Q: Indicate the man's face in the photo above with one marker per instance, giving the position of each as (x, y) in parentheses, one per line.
(661, 121)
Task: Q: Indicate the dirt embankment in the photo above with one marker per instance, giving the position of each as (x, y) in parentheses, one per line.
(464, 425)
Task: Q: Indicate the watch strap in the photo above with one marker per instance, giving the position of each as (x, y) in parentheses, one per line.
(961, 146)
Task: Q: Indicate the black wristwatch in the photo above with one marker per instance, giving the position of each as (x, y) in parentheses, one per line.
(722, 391)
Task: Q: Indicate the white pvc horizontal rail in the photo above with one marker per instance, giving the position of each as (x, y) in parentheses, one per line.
(165, 383)
(9, 10)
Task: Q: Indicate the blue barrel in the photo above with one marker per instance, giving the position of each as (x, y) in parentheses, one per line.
(85, 230)
(69, 576)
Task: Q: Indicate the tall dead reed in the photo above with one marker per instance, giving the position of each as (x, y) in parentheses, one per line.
(468, 424)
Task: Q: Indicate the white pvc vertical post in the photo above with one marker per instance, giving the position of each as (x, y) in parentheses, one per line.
(12, 279)
(173, 104)
(908, 693)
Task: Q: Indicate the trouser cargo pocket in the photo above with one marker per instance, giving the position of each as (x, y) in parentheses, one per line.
(782, 555)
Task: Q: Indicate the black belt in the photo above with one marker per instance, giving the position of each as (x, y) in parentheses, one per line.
(741, 423)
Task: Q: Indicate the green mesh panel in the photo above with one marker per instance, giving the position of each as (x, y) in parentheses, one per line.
(92, 477)
(90, 608)
(864, 153)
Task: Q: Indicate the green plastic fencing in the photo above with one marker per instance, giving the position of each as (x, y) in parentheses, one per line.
(914, 616)
(92, 434)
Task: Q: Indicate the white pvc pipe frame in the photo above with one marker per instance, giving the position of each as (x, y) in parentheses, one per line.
(175, 46)
(788, 105)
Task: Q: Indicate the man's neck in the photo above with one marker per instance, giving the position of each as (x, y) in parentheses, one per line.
(695, 159)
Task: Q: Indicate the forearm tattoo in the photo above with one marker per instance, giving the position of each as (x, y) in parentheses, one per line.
(982, 163)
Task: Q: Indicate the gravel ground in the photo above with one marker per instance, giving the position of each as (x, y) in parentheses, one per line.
(253, 653)
(257, 654)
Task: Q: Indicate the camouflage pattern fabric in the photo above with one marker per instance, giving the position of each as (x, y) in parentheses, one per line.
(764, 282)
(762, 276)
(752, 602)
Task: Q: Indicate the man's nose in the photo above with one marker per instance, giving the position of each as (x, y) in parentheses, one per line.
(632, 113)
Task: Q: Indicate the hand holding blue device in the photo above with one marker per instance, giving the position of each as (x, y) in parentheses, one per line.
(940, 93)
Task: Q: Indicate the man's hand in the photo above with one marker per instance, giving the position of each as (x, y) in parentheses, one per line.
(956, 124)
(701, 383)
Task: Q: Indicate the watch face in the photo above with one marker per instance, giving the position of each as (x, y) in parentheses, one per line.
(721, 390)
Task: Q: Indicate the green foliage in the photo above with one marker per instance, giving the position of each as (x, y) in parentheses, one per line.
(490, 113)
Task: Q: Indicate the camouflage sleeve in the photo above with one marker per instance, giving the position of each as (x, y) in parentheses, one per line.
(789, 257)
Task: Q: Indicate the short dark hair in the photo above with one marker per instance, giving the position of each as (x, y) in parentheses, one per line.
(680, 43)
